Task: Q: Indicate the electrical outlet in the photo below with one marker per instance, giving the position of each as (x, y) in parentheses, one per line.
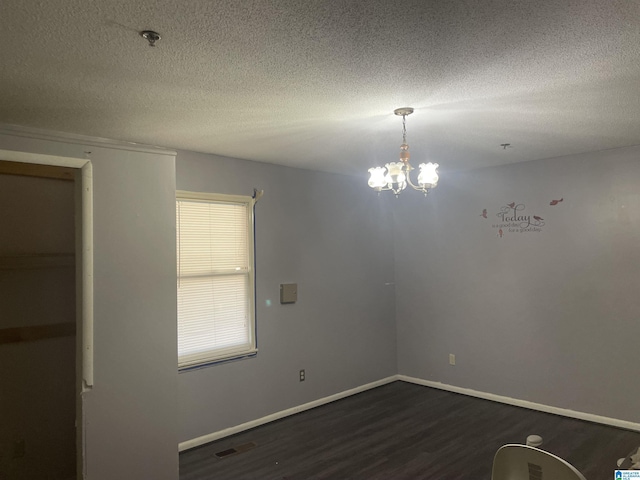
(452, 359)
(302, 375)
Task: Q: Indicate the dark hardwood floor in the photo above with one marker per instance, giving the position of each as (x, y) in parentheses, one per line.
(403, 431)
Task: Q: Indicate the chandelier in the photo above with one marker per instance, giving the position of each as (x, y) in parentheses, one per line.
(395, 176)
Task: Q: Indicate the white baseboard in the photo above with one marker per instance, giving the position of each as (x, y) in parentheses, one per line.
(614, 422)
(196, 442)
(589, 417)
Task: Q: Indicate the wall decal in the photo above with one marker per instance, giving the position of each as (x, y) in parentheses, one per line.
(513, 219)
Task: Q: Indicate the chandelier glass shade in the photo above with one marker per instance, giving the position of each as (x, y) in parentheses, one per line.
(395, 176)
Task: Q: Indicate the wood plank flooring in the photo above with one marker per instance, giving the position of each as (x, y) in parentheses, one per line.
(404, 431)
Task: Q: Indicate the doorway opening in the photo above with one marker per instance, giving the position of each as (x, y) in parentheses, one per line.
(45, 345)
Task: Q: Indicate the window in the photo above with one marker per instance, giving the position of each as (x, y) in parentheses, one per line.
(216, 287)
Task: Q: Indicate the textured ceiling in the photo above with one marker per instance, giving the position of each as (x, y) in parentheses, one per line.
(313, 84)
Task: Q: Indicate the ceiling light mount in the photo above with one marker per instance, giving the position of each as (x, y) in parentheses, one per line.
(395, 176)
(403, 112)
(151, 36)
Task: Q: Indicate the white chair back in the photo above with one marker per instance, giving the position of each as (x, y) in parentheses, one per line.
(522, 462)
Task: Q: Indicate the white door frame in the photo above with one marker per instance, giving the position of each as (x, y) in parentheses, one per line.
(84, 275)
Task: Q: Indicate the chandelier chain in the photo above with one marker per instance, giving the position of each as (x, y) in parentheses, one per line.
(404, 129)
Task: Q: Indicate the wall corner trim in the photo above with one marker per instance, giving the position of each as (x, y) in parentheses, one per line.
(589, 417)
(196, 442)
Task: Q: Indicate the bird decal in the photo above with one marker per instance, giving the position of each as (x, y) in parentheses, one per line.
(538, 218)
(484, 213)
(555, 202)
(511, 205)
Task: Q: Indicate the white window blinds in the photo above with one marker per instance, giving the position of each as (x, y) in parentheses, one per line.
(215, 278)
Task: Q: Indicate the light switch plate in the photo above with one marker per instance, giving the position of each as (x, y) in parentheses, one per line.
(288, 293)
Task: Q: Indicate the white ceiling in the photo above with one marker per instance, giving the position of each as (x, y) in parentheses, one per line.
(313, 83)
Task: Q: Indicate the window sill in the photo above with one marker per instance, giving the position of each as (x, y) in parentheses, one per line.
(220, 361)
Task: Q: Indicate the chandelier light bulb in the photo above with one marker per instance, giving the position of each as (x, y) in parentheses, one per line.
(377, 180)
(396, 178)
(428, 176)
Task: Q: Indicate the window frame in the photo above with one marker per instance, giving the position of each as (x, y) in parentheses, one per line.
(223, 355)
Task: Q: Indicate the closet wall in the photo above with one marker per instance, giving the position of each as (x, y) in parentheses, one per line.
(37, 328)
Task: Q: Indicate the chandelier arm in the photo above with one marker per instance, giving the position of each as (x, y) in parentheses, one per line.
(415, 187)
(408, 175)
(420, 189)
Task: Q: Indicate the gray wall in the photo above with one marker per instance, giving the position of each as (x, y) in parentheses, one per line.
(130, 415)
(329, 234)
(550, 316)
